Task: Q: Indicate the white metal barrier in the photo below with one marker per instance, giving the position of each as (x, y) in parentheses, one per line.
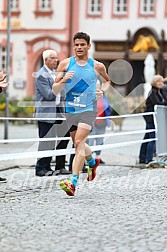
(40, 154)
(161, 133)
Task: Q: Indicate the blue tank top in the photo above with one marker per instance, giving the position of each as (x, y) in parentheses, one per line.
(81, 89)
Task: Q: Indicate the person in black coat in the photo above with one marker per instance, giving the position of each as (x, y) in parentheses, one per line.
(156, 96)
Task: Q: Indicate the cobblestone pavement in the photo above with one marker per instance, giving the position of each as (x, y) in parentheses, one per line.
(122, 210)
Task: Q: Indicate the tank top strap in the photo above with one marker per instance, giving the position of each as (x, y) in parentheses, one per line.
(91, 62)
(72, 62)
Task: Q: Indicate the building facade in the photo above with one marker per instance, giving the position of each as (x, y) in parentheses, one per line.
(119, 29)
(35, 26)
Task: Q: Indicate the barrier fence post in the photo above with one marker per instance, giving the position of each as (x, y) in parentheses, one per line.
(160, 121)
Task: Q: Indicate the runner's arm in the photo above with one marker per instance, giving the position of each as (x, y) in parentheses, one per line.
(62, 76)
(101, 70)
(60, 80)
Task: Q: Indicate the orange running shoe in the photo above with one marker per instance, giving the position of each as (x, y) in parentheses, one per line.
(68, 187)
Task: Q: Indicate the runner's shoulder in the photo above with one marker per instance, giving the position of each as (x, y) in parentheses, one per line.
(64, 63)
(98, 65)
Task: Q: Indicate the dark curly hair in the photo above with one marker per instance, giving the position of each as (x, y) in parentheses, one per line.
(82, 35)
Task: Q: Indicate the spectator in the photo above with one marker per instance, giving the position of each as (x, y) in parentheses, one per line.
(99, 128)
(49, 106)
(157, 96)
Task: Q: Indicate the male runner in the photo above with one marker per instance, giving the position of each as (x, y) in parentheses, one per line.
(78, 75)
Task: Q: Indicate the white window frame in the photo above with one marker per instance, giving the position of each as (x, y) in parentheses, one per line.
(122, 6)
(94, 6)
(14, 5)
(147, 7)
(44, 5)
(3, 58)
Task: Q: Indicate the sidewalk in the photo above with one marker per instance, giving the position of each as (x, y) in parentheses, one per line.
(122, 210)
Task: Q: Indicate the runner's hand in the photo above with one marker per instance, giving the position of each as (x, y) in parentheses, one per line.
(99, 94)
(2, 76)
(3, 84)
(69, 75)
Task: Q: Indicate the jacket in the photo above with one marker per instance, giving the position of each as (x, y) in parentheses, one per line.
(155, 97)
(45, 100)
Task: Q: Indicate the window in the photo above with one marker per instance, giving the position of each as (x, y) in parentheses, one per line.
(44, 5)
(14, 5)
(94, 7)
(14, 8)
(120, 7)
(43, 8)
(147, 6)
(3, 59)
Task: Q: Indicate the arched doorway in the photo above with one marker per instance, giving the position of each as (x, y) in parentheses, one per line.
(144, 41)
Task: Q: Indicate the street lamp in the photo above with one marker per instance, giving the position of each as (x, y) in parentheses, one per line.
(7, 70)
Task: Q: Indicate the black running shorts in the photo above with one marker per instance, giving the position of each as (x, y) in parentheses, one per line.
(87, 117)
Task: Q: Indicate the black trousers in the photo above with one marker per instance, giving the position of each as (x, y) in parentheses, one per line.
(62, 131)
(50, 130)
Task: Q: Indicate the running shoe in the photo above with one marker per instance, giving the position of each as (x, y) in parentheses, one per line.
(68, 187)
(101, 161)
(91, 173)
(3, 180)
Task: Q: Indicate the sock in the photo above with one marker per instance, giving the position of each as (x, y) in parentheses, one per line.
(91, 162)
(74, 179)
